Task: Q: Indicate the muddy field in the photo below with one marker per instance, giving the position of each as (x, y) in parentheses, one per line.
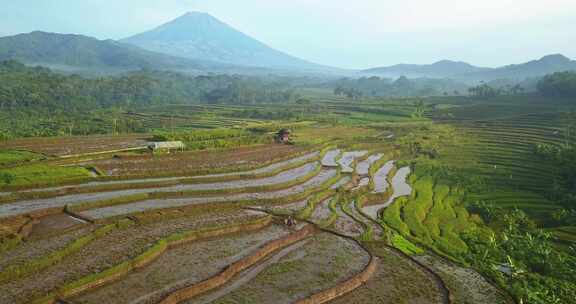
(27, 206)
(181, 267)
(348, 159)
(381, 177)
(301, 268)
(148, 164)
(330, 159)
(110, 250)
(105, 212)
(397, 280)
(322, 262)
(62, 146)
(363, 167)
(467, 285)
(36, 248)
(266, 169)
(400, 188)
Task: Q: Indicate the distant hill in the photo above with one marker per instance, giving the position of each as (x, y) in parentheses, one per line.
(464, 71)
(82, 52)
(202, 37)
(440, 69)
(535, 68)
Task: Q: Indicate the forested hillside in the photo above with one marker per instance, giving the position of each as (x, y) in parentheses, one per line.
(35, 101)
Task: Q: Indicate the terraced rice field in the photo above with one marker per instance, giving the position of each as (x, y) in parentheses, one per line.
(217, 238)
(67, 146)
(504, 155)
(399, 185)
(348, 158)
(175, 164)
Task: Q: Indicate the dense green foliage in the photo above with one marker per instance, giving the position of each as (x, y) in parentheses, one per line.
(10, 157)
(23, 87)
(213, 139)
(562, 84)
(401, 87)
(486, 90)
(41, 174)
(39, 102)
(524, 260)
(564, 158)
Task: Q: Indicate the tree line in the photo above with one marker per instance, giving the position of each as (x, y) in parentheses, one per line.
(562, 84)
(374, 86)
(35, 101)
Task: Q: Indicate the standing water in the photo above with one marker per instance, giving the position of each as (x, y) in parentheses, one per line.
(400, 187)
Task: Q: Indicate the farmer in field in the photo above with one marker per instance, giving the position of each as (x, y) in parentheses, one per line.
(290, 221)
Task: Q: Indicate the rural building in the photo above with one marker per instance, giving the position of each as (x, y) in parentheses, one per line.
(283, 136)
(166, 146)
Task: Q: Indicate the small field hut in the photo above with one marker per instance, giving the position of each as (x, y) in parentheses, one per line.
(283, 136)
(166, 146)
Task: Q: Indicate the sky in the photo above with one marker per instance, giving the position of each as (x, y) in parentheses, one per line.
(344, 33)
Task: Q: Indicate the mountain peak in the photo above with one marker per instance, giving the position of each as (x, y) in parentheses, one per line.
(450, 63)
(198, 35)
(555, 58)
(195, 16)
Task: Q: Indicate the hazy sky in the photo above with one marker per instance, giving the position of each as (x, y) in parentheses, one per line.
(351, 33)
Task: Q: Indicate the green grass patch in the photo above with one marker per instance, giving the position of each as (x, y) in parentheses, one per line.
(405, 245)
(12, 157)
(41, 174)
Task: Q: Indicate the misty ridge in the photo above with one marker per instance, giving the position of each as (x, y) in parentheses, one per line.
(198, 43)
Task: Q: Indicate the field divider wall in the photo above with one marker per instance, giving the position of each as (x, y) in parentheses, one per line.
(150, 255)
(144, 185)
(15, 272)
(242, 203)
(78, 181)
(234, 269)
(345, 287)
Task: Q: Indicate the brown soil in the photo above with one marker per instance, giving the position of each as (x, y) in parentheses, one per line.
(54, 224)
(25, 206)
(321, 212)
(192, 161)
(36, 248)
(290, 208)
(181, 267)
(347, 225)
(466, 285)
(148, 205)
(105, 252)
(321, 263)
(76, 145)
(396, 281)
